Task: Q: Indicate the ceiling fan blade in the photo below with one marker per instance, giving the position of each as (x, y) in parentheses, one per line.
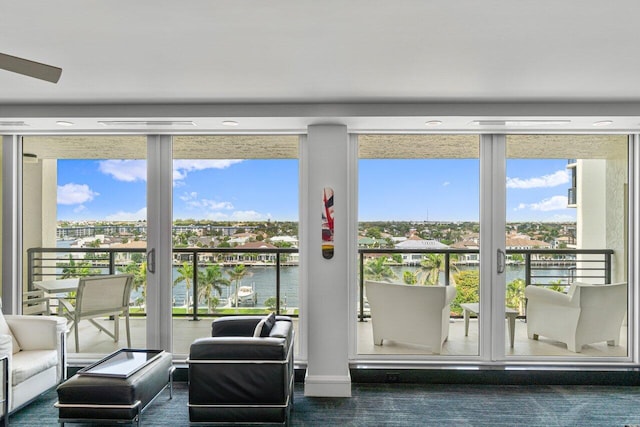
(30, 68)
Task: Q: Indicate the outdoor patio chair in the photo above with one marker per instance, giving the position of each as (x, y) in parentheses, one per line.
(586, 314)
(100, 296)
(413, 314)
(35, 302)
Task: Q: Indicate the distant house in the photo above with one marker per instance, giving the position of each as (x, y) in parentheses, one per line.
(515, 242)
(125, 256)
(370, 242)
(564, 241)
(469, 242)
(253, 258)
(241, 238)
(415, 242)
(293, 241)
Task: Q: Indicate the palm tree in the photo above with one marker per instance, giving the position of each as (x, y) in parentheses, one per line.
(432, 265)
(377, 269)
(515, 295)
(211, 280)
(79, 269)
(236, 275)
(139, 271)
(185, 274)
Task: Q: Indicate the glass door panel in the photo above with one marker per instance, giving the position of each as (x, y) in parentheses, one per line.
(235, 231)
(84, 214)
(418, 238)
(567, 216)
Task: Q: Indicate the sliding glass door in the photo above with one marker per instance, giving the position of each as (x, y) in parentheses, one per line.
(567, 246)
(418, 246)
(530, 230)
(234, 231)
(84, 214)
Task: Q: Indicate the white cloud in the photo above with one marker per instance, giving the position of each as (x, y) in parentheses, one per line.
(552, 204)
(125, 170)
(192, 201)
(136, 170)
(182, 167)
(446, 184)
(213, 205)
(79, 208)
(75, 194)
(128, 216)
(553, 180)
(188, 196)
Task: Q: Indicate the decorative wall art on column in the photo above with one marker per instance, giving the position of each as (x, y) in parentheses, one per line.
(327, 222)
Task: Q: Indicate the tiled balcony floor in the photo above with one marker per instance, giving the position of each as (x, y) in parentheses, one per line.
(93, 342)
(459, 345)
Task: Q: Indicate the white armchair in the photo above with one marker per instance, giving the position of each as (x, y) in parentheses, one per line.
(586, 314)
(410, 313)
(35, 350)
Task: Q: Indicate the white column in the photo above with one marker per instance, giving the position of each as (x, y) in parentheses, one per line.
(39, 208)
(326, 158)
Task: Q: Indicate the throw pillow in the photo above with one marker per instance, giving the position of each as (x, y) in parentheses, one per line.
(268, 325)
(257, 332)
(263, 328)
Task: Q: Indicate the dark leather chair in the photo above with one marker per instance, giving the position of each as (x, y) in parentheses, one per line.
(243, 373)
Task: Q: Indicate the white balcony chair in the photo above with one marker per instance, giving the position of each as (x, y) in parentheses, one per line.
(586, 314)
(410, 313)
(100, 296)
(35, 351)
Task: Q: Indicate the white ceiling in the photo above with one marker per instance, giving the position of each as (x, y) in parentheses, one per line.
(370, 64)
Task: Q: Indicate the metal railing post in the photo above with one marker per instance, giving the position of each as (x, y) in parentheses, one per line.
(195, 286)
(361, 280)
(447, 268)
(30, 269)
(278, 282)
(527, 269)
(607, 268)
(112, 262)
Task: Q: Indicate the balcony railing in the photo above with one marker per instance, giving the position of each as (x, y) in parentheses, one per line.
(56, 263)
(544, 267)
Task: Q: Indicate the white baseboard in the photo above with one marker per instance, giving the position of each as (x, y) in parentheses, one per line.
(327, 385)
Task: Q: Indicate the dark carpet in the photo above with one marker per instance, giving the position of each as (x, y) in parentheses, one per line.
(415, 405)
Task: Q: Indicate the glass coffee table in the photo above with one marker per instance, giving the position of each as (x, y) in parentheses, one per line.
(122, 363)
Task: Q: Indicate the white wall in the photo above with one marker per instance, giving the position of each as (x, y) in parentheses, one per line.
(602, 210)
(39, 195)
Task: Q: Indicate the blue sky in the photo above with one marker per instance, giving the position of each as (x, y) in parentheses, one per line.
(448, 189)
(230, 190)
(225, 190)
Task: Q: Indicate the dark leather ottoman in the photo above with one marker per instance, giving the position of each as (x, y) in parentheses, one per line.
(98, 399)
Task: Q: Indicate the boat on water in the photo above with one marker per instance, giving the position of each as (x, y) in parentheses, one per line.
(247, 297)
